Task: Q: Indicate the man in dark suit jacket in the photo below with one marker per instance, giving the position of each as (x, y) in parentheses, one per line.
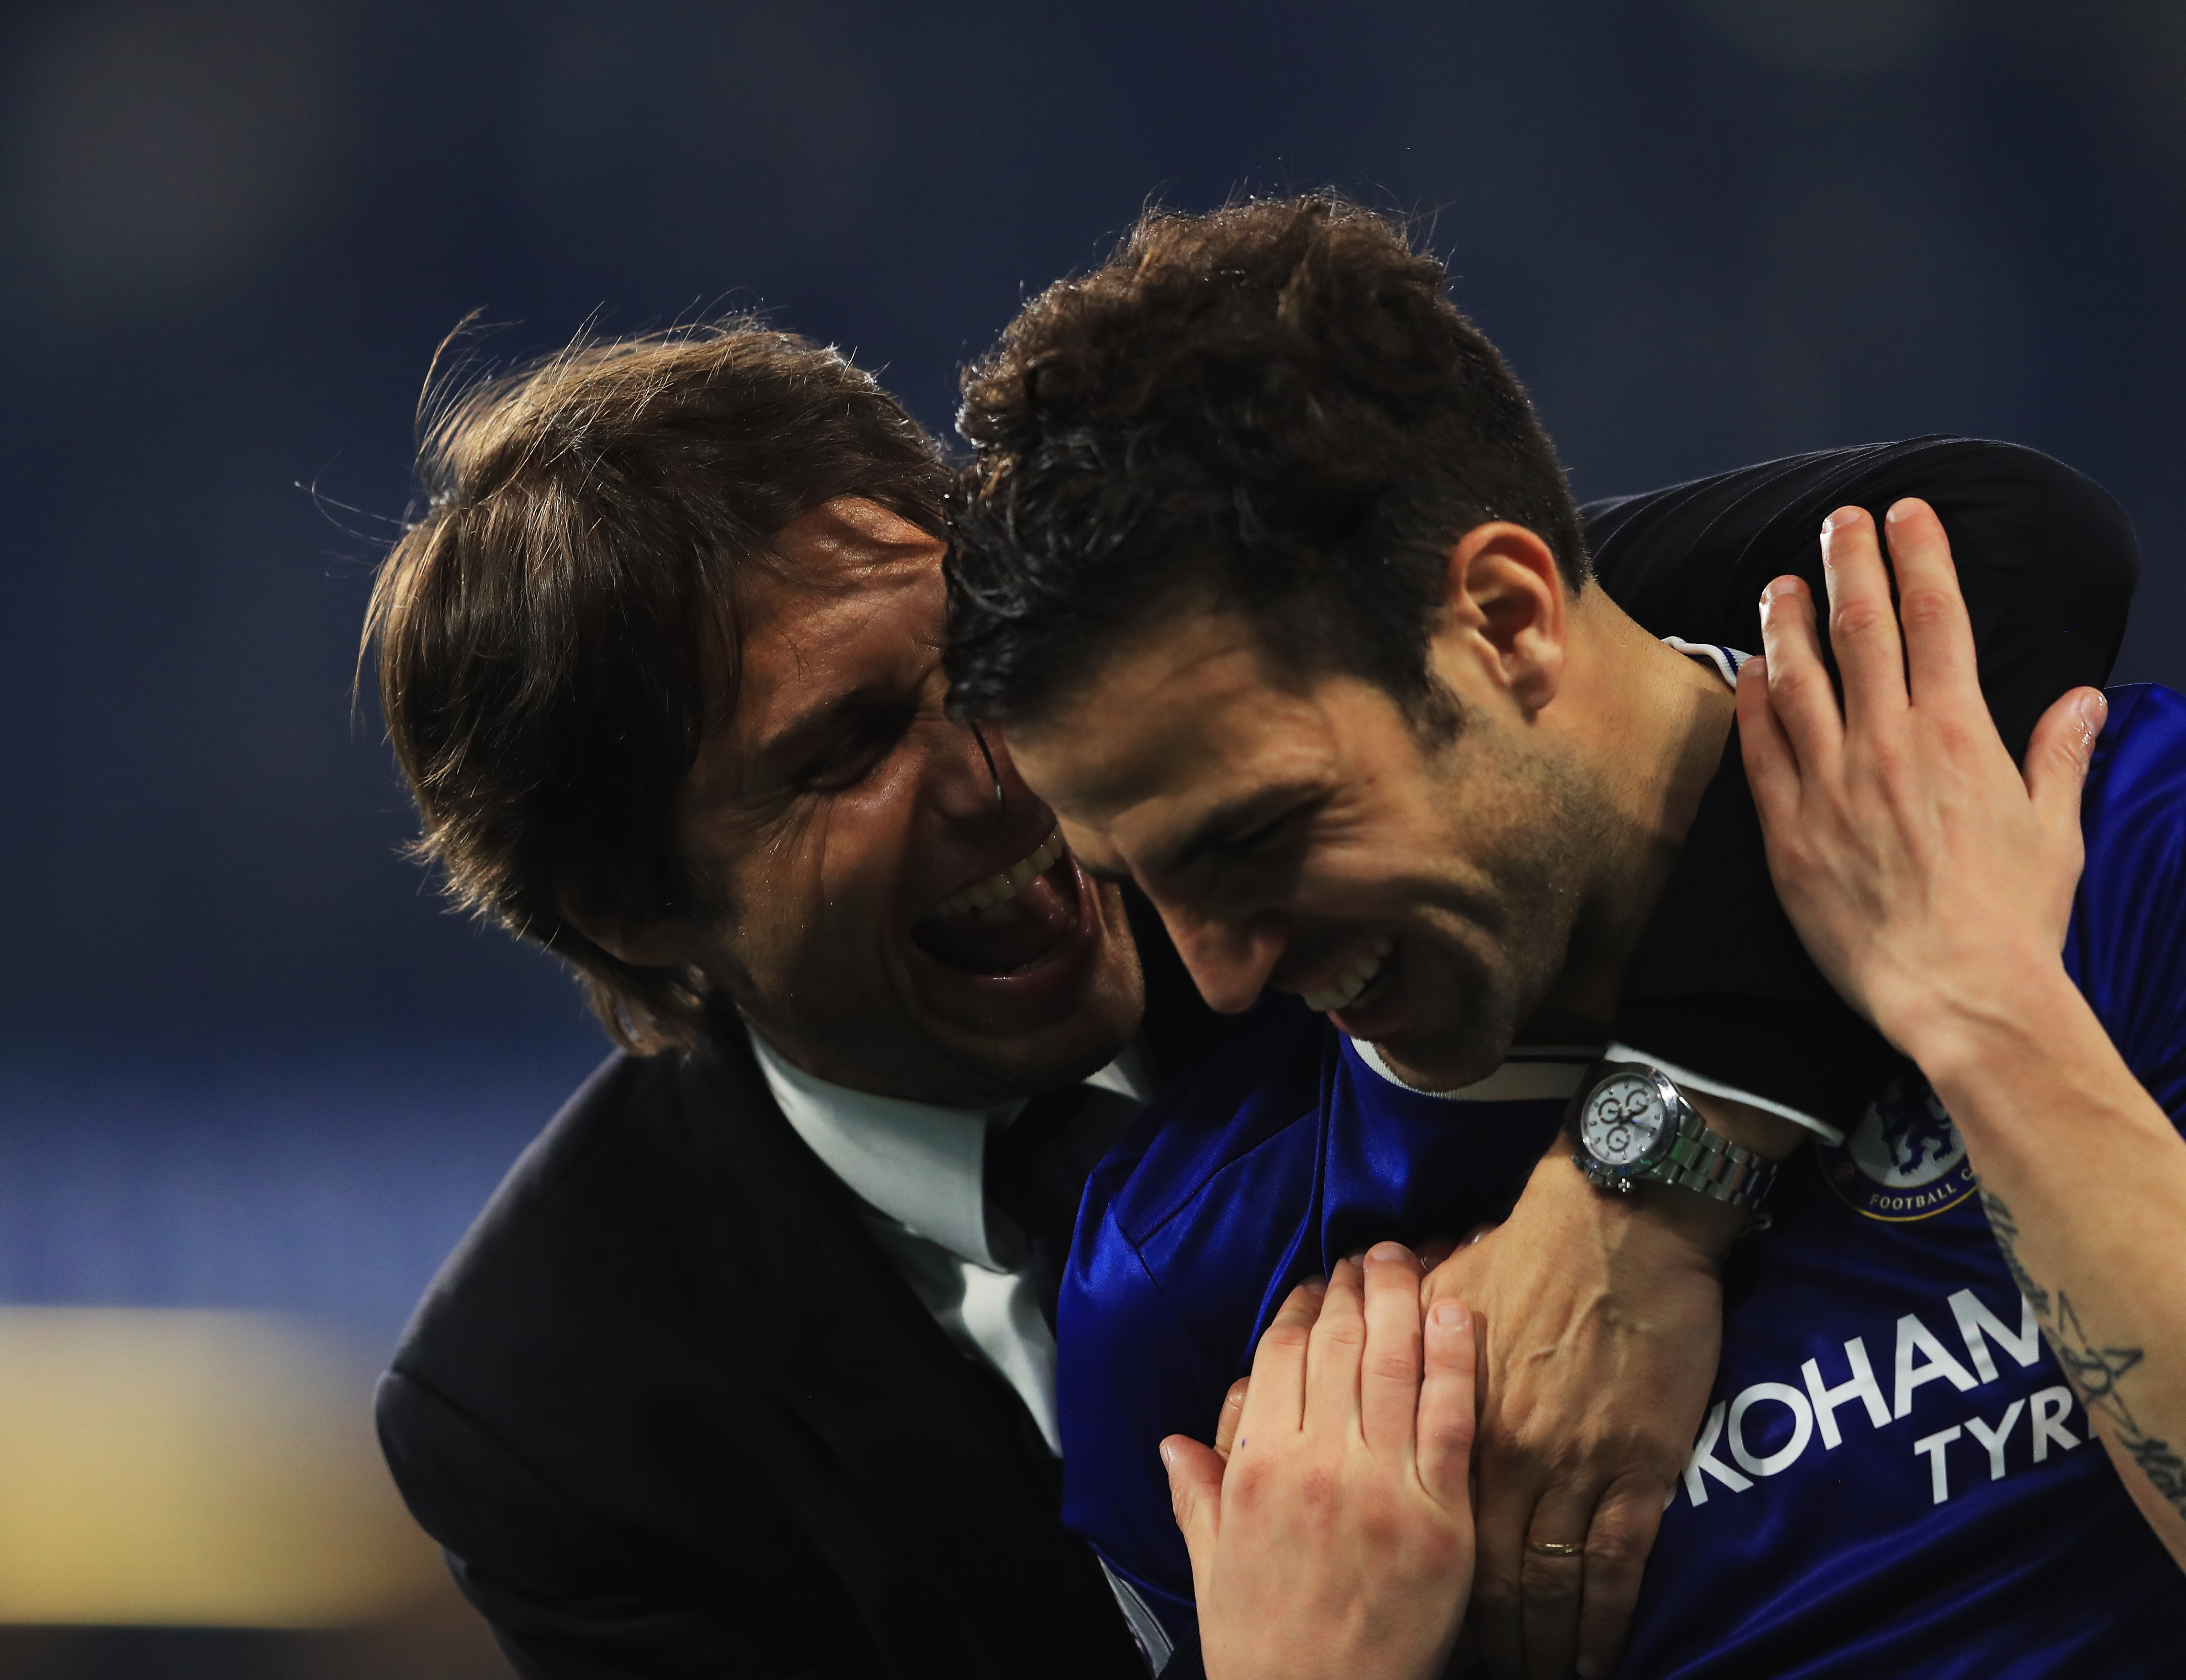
(718, 1384)
(701, 1393)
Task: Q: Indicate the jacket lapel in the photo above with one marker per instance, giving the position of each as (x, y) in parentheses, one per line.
(940, 1448)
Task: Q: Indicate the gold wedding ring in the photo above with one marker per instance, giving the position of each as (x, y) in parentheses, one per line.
(1557, 1548)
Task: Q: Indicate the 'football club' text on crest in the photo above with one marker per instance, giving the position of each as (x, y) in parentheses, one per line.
(1904, 1160)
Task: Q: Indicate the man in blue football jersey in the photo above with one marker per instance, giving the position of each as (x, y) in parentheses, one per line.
(1937, 890)
(1328, 1529)
(1447, 835)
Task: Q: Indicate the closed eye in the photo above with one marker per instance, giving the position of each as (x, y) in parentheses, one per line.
(1270, 837)
(853, 754)
(1235, 830)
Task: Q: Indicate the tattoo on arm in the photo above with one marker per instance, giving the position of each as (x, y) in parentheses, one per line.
(2095, 1371)
(2007, 1239)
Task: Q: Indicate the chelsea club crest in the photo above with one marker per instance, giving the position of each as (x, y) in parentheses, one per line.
(1904, 1160)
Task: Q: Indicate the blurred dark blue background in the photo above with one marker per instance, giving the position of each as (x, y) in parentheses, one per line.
(244, 1057)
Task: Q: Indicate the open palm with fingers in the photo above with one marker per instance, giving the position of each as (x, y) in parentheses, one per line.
(1337, 1541)
(1921, 867)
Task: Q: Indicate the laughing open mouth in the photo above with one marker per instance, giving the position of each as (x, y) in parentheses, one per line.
(1356, 985)
(1009, 920)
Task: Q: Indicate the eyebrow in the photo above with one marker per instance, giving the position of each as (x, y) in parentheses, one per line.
(822, 719)
(1262, 804)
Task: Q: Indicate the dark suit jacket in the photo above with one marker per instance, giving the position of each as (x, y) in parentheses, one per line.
(672, 1412)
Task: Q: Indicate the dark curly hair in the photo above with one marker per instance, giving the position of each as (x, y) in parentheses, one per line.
(1275, 407)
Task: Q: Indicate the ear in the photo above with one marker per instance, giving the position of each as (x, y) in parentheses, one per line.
(1504, 614)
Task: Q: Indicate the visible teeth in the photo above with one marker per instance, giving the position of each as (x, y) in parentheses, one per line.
(1346, 991)
(1000, 888)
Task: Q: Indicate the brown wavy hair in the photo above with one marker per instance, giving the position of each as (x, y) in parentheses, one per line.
(557, 631)
(1274, 408)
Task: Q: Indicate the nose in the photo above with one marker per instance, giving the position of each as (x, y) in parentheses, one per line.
(1230, 958)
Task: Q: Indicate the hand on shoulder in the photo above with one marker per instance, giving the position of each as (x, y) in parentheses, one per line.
(1932, 879)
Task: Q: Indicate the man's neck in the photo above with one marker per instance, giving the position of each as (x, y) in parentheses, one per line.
(1657, 724)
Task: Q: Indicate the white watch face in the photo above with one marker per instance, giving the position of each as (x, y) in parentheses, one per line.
(1624, 1117)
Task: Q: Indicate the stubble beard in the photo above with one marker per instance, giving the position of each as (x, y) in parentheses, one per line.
(1519, 926)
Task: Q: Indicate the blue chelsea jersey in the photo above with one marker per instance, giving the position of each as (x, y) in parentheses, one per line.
(1891, 1477)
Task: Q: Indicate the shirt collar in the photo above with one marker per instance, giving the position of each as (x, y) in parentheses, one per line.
(1727, 661)
(1527, 1074)
(923, 1164)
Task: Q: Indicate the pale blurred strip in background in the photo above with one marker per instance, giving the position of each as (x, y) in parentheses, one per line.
(193, 1469)
(206, 1479)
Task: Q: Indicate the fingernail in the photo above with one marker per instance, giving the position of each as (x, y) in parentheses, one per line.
(1780, 588)
(1449, 1313)
(1357, 1256)
(1382, 1252)
(1169, 1454)
(1900, 509)
(1838, 520)
(1315, 1285)
(2093, 709)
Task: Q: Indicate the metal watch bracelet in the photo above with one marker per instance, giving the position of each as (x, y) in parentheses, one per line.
(1696, 1157)
(1715, 1167)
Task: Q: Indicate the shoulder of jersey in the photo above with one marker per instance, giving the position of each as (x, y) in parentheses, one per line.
(2134, 812)
(1257, 1082)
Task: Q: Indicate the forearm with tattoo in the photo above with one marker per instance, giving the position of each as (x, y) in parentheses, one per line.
(2096, 1373)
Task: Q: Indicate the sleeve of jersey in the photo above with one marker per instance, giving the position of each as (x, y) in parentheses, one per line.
(2128, 944)
(1128, 1373)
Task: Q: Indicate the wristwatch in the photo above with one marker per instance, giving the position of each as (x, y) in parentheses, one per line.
(1633, 1126)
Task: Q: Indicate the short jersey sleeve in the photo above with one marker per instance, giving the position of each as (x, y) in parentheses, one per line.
(2128, 944)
